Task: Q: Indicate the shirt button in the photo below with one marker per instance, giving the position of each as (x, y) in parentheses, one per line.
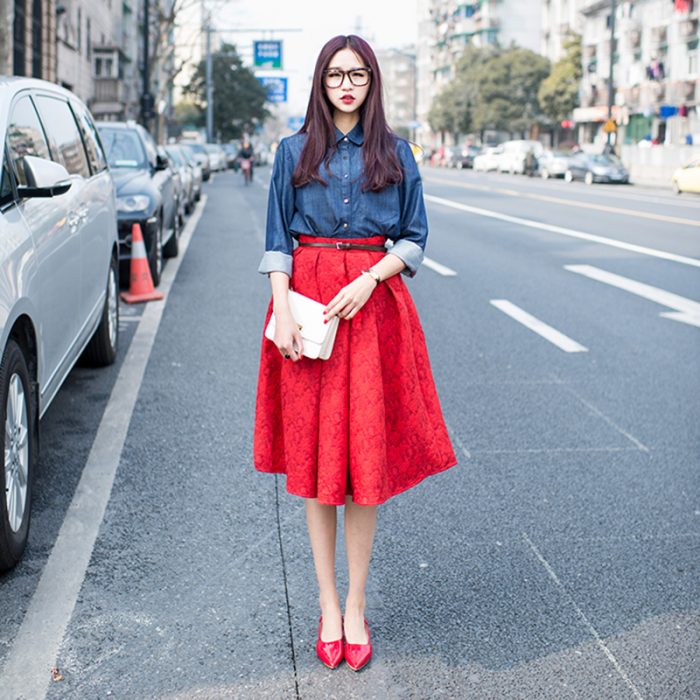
(345, 225)
(345, 175)
(345, 138)
(346, 200)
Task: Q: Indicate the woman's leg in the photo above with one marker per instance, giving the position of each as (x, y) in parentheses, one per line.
(321, 521)
(360, 522)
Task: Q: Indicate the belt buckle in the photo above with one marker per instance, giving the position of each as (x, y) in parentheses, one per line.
(342, 246)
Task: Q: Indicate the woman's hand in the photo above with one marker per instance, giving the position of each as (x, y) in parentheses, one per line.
(351, 298)
(287, 336)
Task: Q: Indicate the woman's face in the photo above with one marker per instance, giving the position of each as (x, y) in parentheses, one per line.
(342, 93)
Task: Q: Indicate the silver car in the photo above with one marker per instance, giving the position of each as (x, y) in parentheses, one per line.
(58, 273)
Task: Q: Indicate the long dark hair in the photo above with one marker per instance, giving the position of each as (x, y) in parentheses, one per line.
(381, 162)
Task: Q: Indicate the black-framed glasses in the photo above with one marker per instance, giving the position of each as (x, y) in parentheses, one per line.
(334, 77)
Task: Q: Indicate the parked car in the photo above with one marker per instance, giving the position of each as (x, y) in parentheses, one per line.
(553, 163)
(201, 155)
(196, 171)
(58, 266)
(217, 157)
(596, 167)
(177, 157)
(146, 194)
(180, 184)
(514, 157)
(687, 178)
(231, 151)
(488, 159)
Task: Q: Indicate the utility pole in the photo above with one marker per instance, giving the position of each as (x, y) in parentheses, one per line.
(210, 90)
(146, 97)
(612, 63)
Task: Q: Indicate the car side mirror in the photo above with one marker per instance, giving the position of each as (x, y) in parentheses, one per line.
(161, 162)
(44, 178)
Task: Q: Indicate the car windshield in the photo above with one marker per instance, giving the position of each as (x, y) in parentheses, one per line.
(605, 160)
(123, 148)
(174, 155)
(196, 147)
(211, 148)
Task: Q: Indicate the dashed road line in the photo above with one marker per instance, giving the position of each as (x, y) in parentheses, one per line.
(27, 667)
(438, 267)
(685, 310)
(563, 231)
(563, 342)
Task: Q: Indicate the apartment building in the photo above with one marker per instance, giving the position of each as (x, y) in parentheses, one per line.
(656, 80)
(398, 68)
(447, 26)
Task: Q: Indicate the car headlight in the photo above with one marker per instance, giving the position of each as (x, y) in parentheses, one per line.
(134, 202)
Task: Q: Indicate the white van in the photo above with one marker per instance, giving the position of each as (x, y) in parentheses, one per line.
(514, 153)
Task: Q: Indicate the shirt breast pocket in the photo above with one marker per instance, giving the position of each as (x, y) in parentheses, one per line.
(381, 210)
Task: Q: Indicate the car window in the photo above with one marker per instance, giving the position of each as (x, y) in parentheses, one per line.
(124, 148)
(174, 155)
(63, 134)
(25, 137)
(96, 156)
(150, 145)
(5, 182)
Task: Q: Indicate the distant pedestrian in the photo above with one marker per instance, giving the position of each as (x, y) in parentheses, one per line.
(365, 424)
(245, 156)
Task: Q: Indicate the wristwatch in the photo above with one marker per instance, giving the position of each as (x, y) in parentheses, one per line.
(373, 274)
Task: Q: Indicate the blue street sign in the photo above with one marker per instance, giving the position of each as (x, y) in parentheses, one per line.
(276, 88)
(295, 123)
(267, 54)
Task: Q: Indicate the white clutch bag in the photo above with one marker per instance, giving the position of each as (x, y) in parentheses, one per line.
(318, 336)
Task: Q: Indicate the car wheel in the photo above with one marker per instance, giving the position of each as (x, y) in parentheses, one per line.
(102, 348)
(569, 176)
(172, 247)
(155, 254)
(588, 178)
(17, 420)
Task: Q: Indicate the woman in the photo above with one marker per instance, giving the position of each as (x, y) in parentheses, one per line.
(365, 424)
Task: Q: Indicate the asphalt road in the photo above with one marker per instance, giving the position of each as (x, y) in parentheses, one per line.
(559, 559)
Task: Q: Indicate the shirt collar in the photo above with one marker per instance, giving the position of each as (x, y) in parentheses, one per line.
(356, 134)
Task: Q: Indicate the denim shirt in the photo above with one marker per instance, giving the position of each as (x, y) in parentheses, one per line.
(341, 209)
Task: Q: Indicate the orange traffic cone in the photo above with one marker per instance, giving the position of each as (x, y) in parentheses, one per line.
(141, 283)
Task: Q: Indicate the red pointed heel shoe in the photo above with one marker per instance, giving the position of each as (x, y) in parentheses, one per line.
(330, 653)
(357, 656)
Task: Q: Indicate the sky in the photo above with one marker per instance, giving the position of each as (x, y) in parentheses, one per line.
(384, 23)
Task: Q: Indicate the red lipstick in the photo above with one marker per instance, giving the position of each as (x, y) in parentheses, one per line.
(347, 99)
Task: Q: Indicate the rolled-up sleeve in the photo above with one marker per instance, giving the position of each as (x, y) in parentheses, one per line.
(410, 244)
(280, 210)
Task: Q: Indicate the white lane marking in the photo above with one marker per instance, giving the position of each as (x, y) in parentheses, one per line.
(439, 268)
(27, 668)
(562, 231)
(685, 310)
(595, 410)
(458, 441)
(540, 327)
(582, 616)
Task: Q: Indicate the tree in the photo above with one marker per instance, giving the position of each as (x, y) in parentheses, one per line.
(558, 94)
(508, 84)
(239, 99)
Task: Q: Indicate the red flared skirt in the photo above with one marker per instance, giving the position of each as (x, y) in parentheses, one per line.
(365, 422)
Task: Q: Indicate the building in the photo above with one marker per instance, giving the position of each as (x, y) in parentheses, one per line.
(399, 78)
(656, 80)
(28, 38)
(560, 19)
(447, 26)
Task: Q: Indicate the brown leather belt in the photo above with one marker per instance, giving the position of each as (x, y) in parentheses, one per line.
(345, 246)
